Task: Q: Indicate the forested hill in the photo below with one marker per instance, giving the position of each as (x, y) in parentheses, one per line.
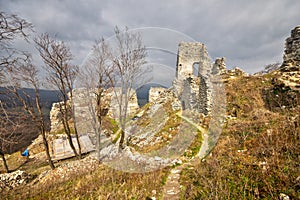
(47, 96)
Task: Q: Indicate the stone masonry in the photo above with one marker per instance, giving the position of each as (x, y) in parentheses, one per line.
(84, 106)
(290, 68)
(292, 49)
(192, 84)
(219, 67)
(156, 94)
(114, 105)
(189, 55)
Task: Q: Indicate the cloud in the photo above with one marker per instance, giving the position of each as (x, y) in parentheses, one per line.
(249, 34)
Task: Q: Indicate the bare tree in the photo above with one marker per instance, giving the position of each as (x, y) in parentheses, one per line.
(97, 78)
(61, 74)
(118, 67)
(11, 28)
(6, 138)
(17, 130)
(129, 58)
(27, 74)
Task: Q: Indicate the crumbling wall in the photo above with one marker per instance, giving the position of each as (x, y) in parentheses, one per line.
(189, 53)
(85, 105)
(156, 94)
(133, 105)
(292, 49)
(56, 116)
(219, 67)
(9, 181)
(193, 89)
(290, 68)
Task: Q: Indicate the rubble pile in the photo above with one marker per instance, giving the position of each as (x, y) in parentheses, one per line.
(12, 180)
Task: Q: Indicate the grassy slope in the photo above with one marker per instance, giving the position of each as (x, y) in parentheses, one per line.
(258, 153)
(257, 156)
(92, 181)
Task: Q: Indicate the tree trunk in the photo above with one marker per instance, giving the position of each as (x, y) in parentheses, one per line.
(75, 125)
(4, 163)
(121, 144)
(77, 139)
(72, 145)
(46, 146)
(98, 144)
(41, 123)
(67, 128)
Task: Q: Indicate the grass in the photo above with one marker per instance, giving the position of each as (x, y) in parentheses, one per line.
(195, 146)
(256, 157)
(258, 153)
(101, 183)
(166, 133)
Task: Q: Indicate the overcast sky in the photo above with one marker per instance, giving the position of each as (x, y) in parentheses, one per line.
(250, 34)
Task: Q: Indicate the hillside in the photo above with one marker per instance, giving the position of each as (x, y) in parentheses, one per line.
(47, 96)
(220, 134)
(258, 153)
(257, 156)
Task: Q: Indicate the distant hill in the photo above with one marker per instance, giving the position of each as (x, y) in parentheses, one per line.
(143, 93)
(47, 97)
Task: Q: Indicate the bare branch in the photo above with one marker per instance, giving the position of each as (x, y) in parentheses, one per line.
(61, 75)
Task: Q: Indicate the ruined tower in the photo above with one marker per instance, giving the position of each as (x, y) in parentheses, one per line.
(188, 58)
(192, 76)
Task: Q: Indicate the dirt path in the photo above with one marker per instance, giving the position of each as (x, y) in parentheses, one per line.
(172, 187)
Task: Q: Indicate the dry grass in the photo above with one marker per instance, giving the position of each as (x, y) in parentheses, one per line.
(257, 155)
(101, 183)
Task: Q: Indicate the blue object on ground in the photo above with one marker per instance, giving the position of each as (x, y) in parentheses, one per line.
(25, 153)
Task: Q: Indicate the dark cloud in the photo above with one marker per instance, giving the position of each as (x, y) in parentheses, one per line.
(250, 34)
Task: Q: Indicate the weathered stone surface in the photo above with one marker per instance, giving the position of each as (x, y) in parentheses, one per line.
(190, 55)
(67, 170)
(290, 68)
(156, 94)
(56, 116)
(235, 72)
(291, 57)
(283, 196)
(115, 101)
(9, 181)
(85, 108)
(192, 84)
(219, 67)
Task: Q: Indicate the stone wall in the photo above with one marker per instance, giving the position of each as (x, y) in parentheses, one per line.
(156, 94)
(85, 104)
(190, 53)
(292, 49)
(115, 100)
(290, 68)
(219, 67)
(192, 86)
(56, 116)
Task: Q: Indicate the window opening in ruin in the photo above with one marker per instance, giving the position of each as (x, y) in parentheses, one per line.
(195, 68)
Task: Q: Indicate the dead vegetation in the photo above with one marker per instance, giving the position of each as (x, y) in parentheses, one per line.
(256, 157)
(258, 153)
(91, 181)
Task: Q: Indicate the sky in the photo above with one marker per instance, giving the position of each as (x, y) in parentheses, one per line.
(249, 34)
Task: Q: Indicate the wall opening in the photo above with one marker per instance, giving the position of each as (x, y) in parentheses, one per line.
(195, 68)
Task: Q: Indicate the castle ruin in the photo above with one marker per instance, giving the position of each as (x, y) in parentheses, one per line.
(192, 76)
(291, 57)
(192, 84)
